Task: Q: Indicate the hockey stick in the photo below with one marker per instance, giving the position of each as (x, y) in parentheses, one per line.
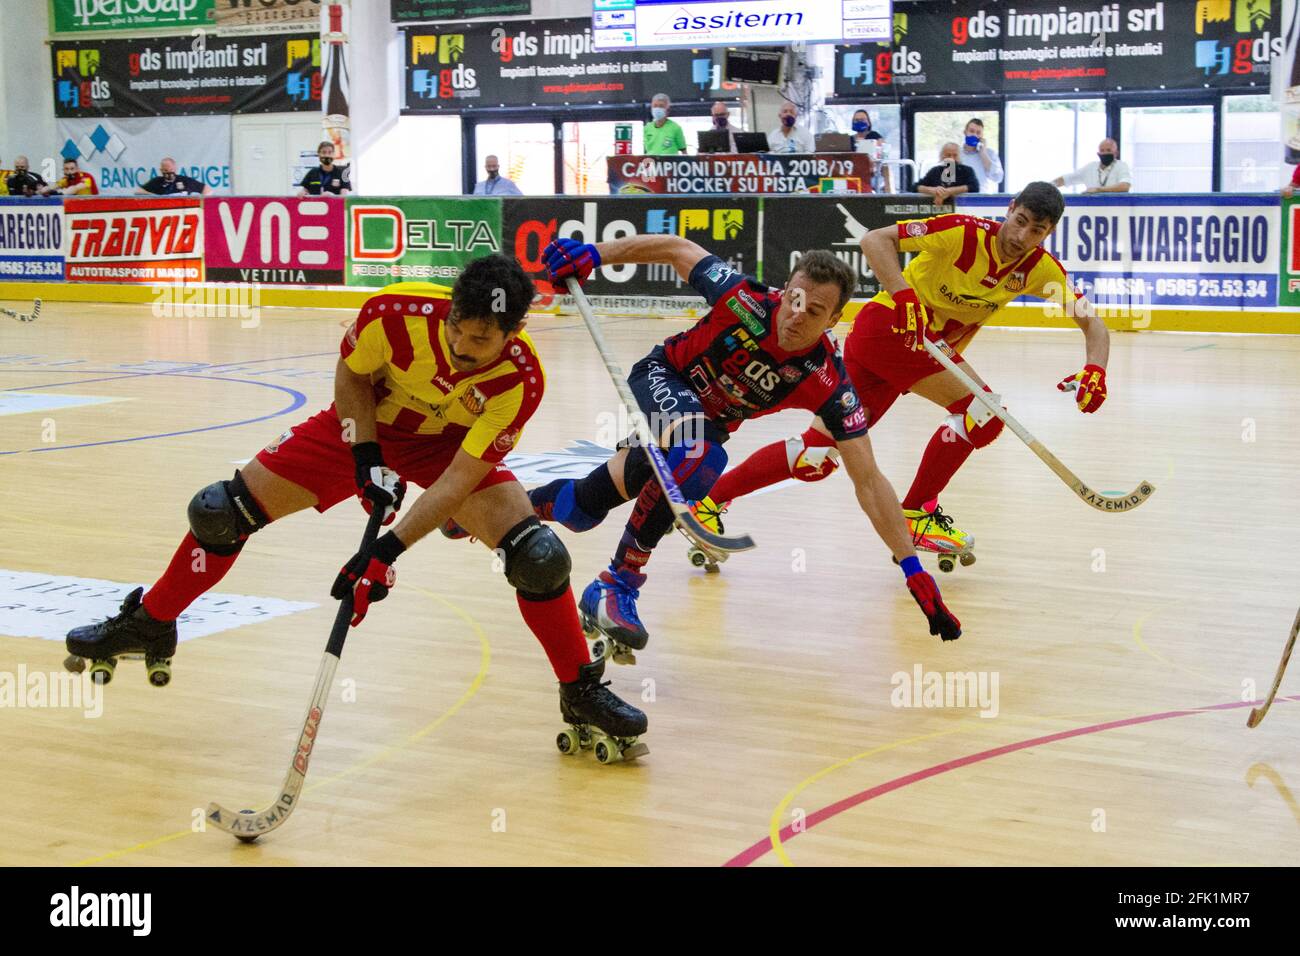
(31, 316)
(682, 517)
(248, 825)
(1257, 713)
(1108, 503)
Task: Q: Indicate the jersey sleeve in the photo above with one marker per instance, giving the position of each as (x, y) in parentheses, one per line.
(713, 278)
(1049, 280)
(365, 347)
(941, 234)
(497, 430)
(842, 411)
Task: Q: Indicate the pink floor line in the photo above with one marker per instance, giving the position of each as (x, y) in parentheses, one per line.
(764, 845)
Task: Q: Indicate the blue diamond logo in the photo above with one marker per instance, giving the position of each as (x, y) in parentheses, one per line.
(100, 137)
(70, 150)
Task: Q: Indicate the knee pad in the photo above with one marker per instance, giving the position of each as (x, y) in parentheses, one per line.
(537, 563)
(566, 511)
(696, 466)
(972, 421)
(812, 456)
(224, 514)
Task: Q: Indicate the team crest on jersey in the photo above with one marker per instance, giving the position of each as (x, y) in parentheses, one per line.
(505, 441)
(790, 373)
(917, 229)
(473, 400)
(1016, 282)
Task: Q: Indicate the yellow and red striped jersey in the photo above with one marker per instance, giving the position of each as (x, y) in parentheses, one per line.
(399, 339)
(959, 277)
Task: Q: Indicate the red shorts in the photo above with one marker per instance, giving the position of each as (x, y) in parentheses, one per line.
(880, 364)
(314, 455)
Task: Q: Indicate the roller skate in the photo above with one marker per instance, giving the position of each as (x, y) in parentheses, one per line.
(130, 635)
(598, 720)
(609, 619)
(710, 515)
(932, 530)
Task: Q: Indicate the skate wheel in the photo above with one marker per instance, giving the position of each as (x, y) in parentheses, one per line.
(606, 750)
(601, 649)
(74, 663)
(101, 672)
(567, 742)
(967, 559)
(698, 558)
(160, 673)
(946, 565)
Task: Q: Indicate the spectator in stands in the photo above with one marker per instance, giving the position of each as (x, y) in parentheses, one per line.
(788, 138)
(75, 182)
(168, 183)
(981, 157)
(661, 136)
(1109, 174)
(24, 182)
(1287, 190)
(722, 123)
(867, 140)
(325, 178)
(495, 184)
(950, 178)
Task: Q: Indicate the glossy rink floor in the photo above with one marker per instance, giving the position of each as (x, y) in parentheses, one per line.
(794, 716)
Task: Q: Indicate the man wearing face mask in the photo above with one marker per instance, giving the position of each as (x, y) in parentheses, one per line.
(722, 124)
(788, 138)
(983, 159)
(867, 140)
(1109, 174)
(495, 184)
(661, 136)
(168, 183)
(326, 178)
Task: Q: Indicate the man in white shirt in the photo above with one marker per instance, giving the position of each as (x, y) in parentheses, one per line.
(788, 138)
(981, 158)
(495, 184)
(1109, 174)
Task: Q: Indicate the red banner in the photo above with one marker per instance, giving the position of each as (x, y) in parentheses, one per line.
(133, 240)
(743, 173)
(274, 241)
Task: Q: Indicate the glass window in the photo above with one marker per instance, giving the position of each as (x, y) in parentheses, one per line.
(1048, 138)
(586, 146)
(525, 152)
(1168, 148)
(885, 119)
(1252, 137)
(933, 128)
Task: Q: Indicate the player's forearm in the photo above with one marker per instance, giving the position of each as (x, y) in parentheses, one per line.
(681, 254)
(880, 503)
(441, 500)
(354, 400)
(1117, 188)
(880, 247)
(1096, 338)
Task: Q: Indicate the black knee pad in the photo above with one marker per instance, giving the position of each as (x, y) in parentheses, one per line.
(224, 514)
(537, 562)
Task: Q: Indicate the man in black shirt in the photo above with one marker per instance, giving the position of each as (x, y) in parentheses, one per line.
(22, 181)
(168, 183)
(950, 178)
(326, 178)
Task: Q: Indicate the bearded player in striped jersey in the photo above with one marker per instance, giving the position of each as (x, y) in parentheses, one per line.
(964, 270)
(428, 391)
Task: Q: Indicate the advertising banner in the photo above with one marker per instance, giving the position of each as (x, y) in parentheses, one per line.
(551, 63)
(133, 240)
(268, 15)
(410, 11)
(124, 153)
(1137, 251)
(182, 75)
(31, 239)
(413, 239)
(85, 16)
(740, 173)
(1044, 46)
(1288, 288)
(274, 241)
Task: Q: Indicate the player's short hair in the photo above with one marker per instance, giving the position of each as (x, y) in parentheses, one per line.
(1042, 201)
(976, 120)
(494, 287)
(823, 266)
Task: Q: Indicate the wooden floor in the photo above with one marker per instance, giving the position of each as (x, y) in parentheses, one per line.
(1123, 646)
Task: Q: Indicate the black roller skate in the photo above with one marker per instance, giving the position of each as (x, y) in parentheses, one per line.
(598, 719)
(131, 635)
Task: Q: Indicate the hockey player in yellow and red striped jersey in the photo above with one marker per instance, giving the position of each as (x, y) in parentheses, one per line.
(430, 391)
(963, 271)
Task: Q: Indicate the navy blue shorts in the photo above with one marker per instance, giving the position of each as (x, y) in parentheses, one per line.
(666, 399)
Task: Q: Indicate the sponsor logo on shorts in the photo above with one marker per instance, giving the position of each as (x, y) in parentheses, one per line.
(917, 229)
(505, 441)
(849, 401)
(857, 420)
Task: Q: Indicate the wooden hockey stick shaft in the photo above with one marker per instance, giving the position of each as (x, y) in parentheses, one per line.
(1108, 503)
(1257, 713)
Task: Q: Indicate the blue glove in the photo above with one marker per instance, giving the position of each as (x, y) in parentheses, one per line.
(569, 257)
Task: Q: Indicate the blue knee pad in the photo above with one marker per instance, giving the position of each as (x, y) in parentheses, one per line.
(567, 512)
(696, 474)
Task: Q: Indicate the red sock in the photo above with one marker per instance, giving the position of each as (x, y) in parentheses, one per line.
(193, 571)
(554, 622)
(767, 466)
(943, 456)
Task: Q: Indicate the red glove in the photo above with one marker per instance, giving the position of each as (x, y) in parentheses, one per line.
(1090, 385)
(911, 319)
(369, 576)
(942, 621)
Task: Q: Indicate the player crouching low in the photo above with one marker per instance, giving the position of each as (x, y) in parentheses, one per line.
(426, 391)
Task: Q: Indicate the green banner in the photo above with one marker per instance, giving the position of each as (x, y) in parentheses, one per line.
(418, 240)
(1288, 280)
(410, 11)
(83, 16)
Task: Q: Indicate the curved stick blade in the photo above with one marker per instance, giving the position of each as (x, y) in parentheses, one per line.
(1113, 504)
